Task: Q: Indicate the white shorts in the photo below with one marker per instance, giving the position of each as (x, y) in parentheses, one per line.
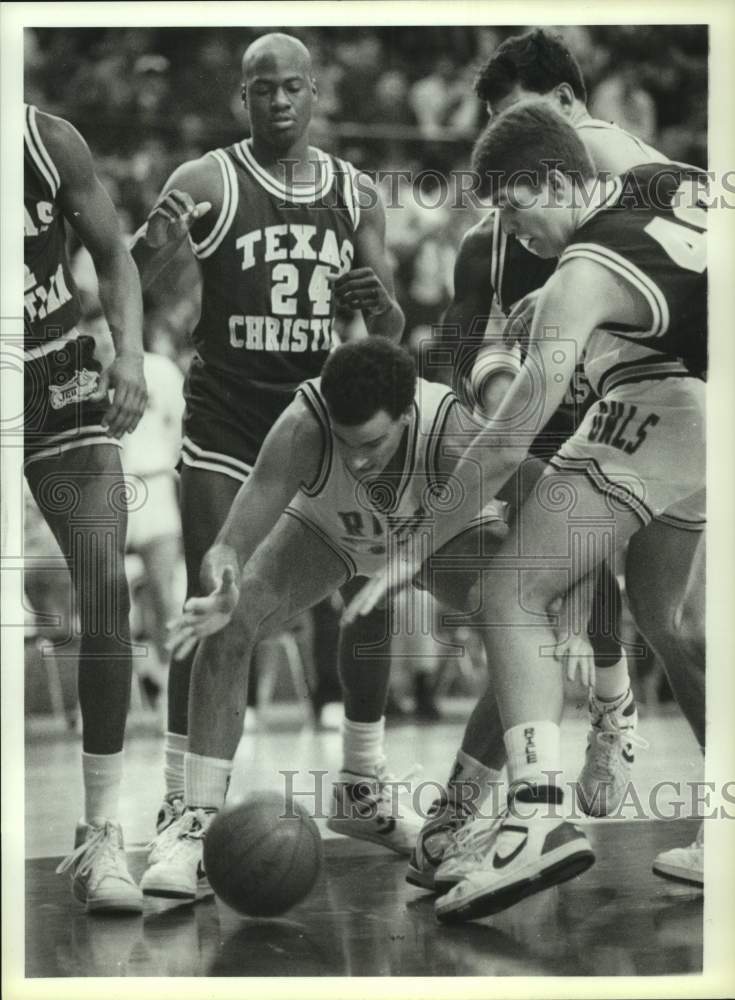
(153, 509)
(644, 444)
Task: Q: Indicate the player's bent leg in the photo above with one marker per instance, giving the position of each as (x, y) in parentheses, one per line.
(534, 846)
(290, 571)
(82, 495)
(671, 618)
(454, 825)
(611, 740)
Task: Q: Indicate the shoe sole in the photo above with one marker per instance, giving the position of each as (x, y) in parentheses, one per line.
(204, 889)
(675, 875)
(113, 906)
(373, 838)
(422, 880)
(485, 904)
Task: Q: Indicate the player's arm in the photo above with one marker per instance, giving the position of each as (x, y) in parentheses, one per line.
(88, 208)
(291, 456)
(467, 326)
(368, 286)
(187, 196)
(581, 296)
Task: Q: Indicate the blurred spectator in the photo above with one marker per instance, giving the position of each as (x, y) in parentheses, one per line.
(620, 98)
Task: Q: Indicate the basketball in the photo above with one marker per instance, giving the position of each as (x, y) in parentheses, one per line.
(263, 855)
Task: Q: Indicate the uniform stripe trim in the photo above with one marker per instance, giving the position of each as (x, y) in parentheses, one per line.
(435, 435)
(33, 353)
(495, 259)
(410, 463)
(322, 535)
(69, 440)
(317, 407)
(38, 151)
(682, 523)
(633, 275)
(610, 191)
(230, 198)
(641, 372)
(347, 191)
(603, 483)
(197, 454)
(299, 193)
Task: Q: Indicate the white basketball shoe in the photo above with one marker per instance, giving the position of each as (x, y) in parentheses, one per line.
(375, 807)
(525, 857)
(176, 867)
(685, 864)
(610, 755)
(99, 870)
(446, 817)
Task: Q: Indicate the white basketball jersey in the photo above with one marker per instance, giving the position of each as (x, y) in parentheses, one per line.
(362, 519)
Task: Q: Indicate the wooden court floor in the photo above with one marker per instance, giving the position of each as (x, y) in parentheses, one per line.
(363, 919)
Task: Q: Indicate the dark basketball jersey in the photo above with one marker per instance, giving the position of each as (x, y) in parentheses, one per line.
(51, 301)
(649, 227)
(267, 306)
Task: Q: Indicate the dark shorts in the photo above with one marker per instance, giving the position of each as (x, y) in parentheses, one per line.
(227, 419)
(58, 414)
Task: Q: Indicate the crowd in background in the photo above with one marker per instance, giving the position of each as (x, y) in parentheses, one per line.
(389, 99)
(397, 98)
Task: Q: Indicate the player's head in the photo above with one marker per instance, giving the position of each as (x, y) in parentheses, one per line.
(534, 166)
(369, 386)
(278, 89)
(535, 64)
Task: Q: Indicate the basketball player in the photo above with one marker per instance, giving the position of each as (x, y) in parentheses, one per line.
(72, 465)
(630, 293)
(493, 265)
(283, 233)
(354, 468)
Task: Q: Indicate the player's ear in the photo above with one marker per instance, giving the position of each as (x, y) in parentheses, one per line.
(314, 89)
(565, 98)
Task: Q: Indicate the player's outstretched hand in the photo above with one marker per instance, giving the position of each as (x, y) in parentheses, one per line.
(577, 658)
(172, 218)
(517, 329)
(203, 616)
(361, 289)
(126, 379)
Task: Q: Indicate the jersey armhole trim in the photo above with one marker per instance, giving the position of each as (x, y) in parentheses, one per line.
(497, 259)
(624, 268)
(316, 405)
(349, 185)
(210, 243)
(40, 155)
(438, 427)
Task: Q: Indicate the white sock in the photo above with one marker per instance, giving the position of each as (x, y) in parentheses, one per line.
(534, 749)
(612, 682)
(102, 776)
(478, 778)
(174, 750)
(206, 781)
(362, 746)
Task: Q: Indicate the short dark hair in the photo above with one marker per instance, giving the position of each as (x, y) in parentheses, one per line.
(524, 144)
(365, 376)
(537, 60)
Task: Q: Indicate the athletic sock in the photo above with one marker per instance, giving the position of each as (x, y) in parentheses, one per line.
(205, 781)
(102, 776)
(470, 780)
(362, 746)
(174, 749)
(613, 681)
(534, 755)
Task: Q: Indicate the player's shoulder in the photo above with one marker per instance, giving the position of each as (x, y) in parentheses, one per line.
(477, 241)
(61, 141)
(201, 178)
